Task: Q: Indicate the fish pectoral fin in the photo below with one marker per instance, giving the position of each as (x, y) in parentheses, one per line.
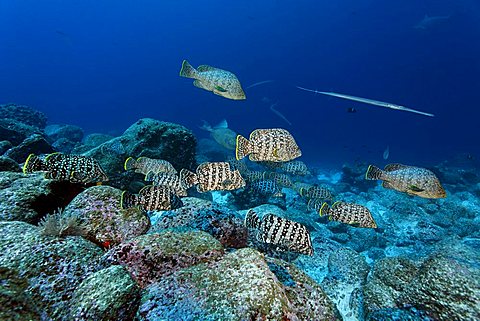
(415, 188)
(220, 89)
(197, 83)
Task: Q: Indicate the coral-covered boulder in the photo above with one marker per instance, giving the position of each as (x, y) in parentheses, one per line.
(151, 138)
(23, 114)
(71, 132)
(239, 286)
(109, 294)
(9, 165)
(15, 300)
(220, 222)
(4, 146)
(107, 223)
(29, 197)
(34, 144)
(15, 132)
(150, 257)
(445, 286)
(54, 267)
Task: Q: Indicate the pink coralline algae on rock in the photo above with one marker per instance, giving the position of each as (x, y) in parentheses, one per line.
(149, 257)
(107, 223)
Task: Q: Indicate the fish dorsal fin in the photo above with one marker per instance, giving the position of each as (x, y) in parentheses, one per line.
(222, 124)
(203, 68)
(394, 167)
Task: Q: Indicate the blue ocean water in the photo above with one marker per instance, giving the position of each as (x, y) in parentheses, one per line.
(102, 65)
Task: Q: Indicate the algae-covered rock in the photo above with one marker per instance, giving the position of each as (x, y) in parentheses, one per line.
(347, 273)
(34, 144)
(204, 215)
(150, 257)
(445, 286)
(54, 267)
(390, 277)
(15, 301)
(28, 197)
(23, 114)
(9, 165)
(57, 131)
(107, 223)
(150, 138)
(109, 294)
(240, 286)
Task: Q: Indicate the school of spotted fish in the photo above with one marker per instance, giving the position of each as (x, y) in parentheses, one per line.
(273, 148)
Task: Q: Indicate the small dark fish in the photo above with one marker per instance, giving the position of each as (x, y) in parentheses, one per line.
(279, 178)
(287, 235)
(408, 179)
(72, 168)
(349, 213)
(213, 176)
(351, 110)
(152, 198)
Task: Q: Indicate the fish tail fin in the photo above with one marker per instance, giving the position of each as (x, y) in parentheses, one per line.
(128, 200)
(252, 220)
(222, 124)
(324, 210)
(242, 148)
(33, 164)
(188, 71)
(373, 173)
(206, 126)
(188, 178)
(130, 163)
(149, 177)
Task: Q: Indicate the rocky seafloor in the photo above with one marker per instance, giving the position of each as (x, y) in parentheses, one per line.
(199, 262)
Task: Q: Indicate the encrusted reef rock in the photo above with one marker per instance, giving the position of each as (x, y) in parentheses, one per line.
(8, 165)
(347, 273)
(29, 197)
(53, 267)
(23, 114)
(445, 286)
(150, 257)
(107, 223)
(109, 294)
(15, 132)
(34, 144)
(71, 132)
(150, 138)
(240, 286)
(15, 302)
(221, 222)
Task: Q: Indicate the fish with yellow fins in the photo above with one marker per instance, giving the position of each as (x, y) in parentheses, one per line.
(220, 82)
(349, 213)
(152, 198)
(408, 179)
(145, 165)
(274, 144)
(64, 167)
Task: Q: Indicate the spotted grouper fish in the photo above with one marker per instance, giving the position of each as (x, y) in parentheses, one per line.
(223, 135)
(349, 213)
(279, 178)
(220, 82)
(63, 167)
(274, 144)
(152, 198)
(285, 234)
(267, 187)
(408, 179)
(168, 179)
(213, 176)
(144, 165)
(294, 167)
(316, 192)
